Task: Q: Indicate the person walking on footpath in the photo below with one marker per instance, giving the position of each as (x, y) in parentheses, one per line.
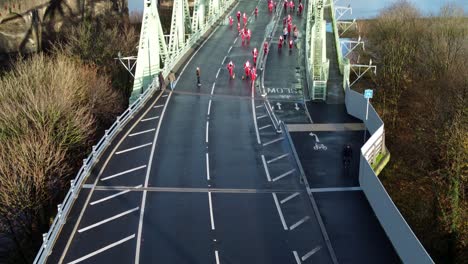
(230, 68)
(300, 8)
(244, 18)
(253, 74)
(171, 78)
(265, 48)
(238, 16)
(247, 70)
(198, 77)
(230, 21)
(255, 55)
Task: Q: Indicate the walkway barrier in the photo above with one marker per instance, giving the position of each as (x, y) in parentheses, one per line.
(405, 242)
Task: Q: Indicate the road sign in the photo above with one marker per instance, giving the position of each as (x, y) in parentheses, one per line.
(368, 93)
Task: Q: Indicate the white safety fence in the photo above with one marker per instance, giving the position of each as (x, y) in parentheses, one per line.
(64, 208)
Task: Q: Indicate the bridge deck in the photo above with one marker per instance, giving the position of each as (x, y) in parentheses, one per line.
(201, 176)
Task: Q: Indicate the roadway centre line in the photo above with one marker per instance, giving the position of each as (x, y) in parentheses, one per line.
(272, 141)
(279, 211)
(278, 158)
(122, 173)
(108, 220)
(225, 57)
(217, 256)
(158, 106)
(207, 166)
(211, 211)
(212, 88)
(310, 253)
(130, 149)
(114, 195)
(266, 168)
(209, 108)
(149, 118)
(263, 127)
(296, 256)
(229, 51)
(289, 197)
(262, 116)
(207, 129)
(102, 249)
(217, 74)
(143, 199)
(300, 222)
(284, 175)
(141, 132)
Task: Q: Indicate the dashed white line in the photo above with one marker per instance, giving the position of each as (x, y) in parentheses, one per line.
(284, 175)
(217, 74)
(158, 106)
(209, 108)
(263, 127)
(130, 149)
(278, 158)
(217, 256)
(108, 220)
(212, 88)
(102, 249)
(122, 173)
(266, 168)
(229, 51)
(262, 116)
(272, 141)
(254, 116)
(207, 166)
(300, 222)
(225, 57)
(310, 253)
(235, 40)
(114, 195)
(296, 256)
(207, 129)
(211, 211)
(149, 118)
(279, 211)
(141, 132)
(289, 197)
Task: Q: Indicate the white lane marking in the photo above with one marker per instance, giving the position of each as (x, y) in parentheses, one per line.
(289, 197)
(272, 141)
(149, 118)
(207, 166)
(266, 168)
(130, 149)
(141, 132)
(310, 253)
(212, 88)
(164, 95)
(235, 40)
(263, 127)
(211, 211)
(114, 195)
(229, 51)
(279, 211)
(217, 74)
(158, 106)
(143, 199)
(258, 106)
(278, 158)
(300, 222)
(207, 129)
(224, 60)
(102, 249)
(122, 173)
(284, 175)
(217, 256)
(108, 220)
(262, 116)
(254, 116)
(209, 107)
(296, 256)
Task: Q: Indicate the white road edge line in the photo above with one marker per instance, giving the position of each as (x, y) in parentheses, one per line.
(217, 256)
(207, 129)
(300, 222)
(217, 74)
(130, 149)
(141, 132)
(266, 168)
(211, 211)
(254, 117)
(149, 118)
(122, 173)
(102, 249)
(115, 195)
(296, 256)
(143, 199)
(289, 197)
(209, 108)
(279, 211)
(284, 174)
(310, 253)
(263, 127)
(212, 88)
(108, 220)
(278, 158)
(273, 141)
(207, 166)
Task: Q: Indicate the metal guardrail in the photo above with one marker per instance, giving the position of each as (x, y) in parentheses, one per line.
(64, 208)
